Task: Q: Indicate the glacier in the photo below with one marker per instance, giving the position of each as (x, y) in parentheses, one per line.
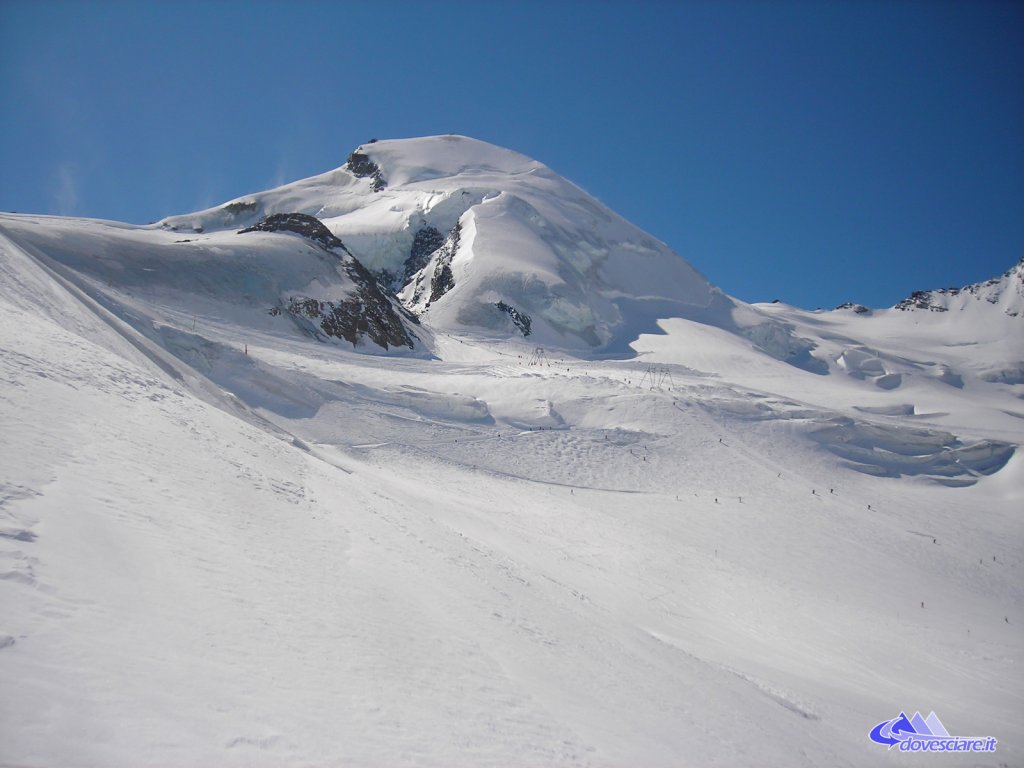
(230, 537)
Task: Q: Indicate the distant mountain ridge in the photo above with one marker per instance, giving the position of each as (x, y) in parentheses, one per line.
(1006, 292)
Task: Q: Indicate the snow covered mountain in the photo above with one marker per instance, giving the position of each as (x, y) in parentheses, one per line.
(476, 237)
(1006, 292)
(434, 460)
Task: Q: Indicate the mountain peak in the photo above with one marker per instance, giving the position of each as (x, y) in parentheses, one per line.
(1005, 292)
(512, 241)
(416, 160)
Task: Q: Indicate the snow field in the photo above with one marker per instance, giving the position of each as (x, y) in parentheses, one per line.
(222, 542)
(204, 591)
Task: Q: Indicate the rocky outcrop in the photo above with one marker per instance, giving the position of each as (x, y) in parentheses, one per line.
(859, 309)
(427, 240)
(521, 320)
(240, 208)
(362, 167)
(443, 279)
(1007, 290)
(361, 315)
(366, 312)
(303, 224)
(435, 278)
(443, 282)
(925, 300)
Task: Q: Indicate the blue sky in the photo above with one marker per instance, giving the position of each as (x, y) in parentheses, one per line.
(815, 152)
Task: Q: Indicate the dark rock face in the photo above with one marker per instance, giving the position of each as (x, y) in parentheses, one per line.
(860, 309)
(443, 279)
(370, 304)
(923, 300)
(427, 240)
(366, 312)
(362, 314)
(989, 290)
(443, 282)
(301, 224)
(362, 167)
(236, 209)
(521, 320)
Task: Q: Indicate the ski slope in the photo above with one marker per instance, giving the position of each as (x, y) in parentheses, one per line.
(225, 542)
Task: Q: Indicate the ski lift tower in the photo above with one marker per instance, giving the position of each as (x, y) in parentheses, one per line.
(539, 357)
(658, 378)
(666, 379)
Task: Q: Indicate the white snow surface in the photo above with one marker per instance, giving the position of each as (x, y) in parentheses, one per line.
(223, 542)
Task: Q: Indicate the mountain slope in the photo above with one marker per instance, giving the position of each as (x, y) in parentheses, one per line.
(287, 271)
(507, 232)
(377, 571)
(1005, 292)
(227, 537)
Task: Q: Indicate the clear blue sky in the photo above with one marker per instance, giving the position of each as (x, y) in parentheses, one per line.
(814, 152)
